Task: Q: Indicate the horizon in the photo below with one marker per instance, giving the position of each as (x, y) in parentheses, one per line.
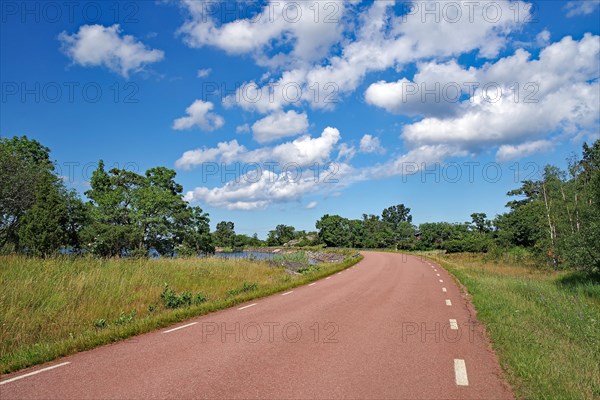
(196, 89)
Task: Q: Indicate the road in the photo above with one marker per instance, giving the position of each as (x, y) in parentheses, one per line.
(393, 326)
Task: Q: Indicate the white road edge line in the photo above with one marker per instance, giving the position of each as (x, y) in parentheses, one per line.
(249, 305)
(179, 327)
(448, 302)
(328, 278)
(16, 378)
(314, 283)
(285, 294)
(444, 290)
(460, 372)
(453, 325)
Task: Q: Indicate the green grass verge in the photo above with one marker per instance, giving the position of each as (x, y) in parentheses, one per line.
(544, 326)
(56, 307)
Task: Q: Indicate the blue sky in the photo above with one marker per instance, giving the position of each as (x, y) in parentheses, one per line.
(422, 91)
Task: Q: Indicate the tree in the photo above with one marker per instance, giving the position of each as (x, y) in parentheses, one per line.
(133, 214)
(334, 231)
(225, 234)
(395, 215)
(281, 235)
(43, 230)
(480, 223)
(398, 218)
(194, 231)
(23, 164)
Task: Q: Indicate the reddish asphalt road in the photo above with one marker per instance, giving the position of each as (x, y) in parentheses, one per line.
(381, 329)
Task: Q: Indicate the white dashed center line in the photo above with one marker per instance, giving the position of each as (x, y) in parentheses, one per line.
(444, 290)
(460, 372)
(180, 327)
(438, 274)
(453, 324)
(16, 378)
(249, 305)
(448, 302)
(441, 281)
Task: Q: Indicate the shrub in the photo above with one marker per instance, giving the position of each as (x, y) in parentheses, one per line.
(200, 298)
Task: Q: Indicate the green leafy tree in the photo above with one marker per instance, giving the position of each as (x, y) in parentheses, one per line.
(281, 235)
(43, 230)
(224, 235)
(480, 223)
(24, 163)
(334, 231)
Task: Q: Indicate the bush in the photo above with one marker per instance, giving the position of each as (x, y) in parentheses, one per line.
(470, 244)
(173, 300)
(200, 298)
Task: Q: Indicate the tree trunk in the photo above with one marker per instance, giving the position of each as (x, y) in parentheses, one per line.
(551, 229)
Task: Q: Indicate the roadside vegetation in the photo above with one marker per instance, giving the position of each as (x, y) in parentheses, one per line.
(76, 272)
(60, 305)
(544, 325)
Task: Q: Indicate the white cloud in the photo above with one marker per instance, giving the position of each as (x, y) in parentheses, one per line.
(97, 45)
(543, 38)
(558, 92)
(279, 125)
(509, 152)
(371, 144)
(581, 7)
(384, 40)
(258, 189)
(311, 205)
(436, 90)
(346, 152)
(309, 29)
(302, 152)
(244, 128)
(199, 114)
(203, 72)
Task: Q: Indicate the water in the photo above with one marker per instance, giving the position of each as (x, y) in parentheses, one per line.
(255, 255)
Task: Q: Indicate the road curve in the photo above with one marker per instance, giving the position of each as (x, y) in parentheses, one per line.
(393, 326)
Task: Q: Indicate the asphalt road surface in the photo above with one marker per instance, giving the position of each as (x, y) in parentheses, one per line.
(393, 326)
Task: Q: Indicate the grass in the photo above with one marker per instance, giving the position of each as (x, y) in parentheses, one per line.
(55, 307)
(544, 326)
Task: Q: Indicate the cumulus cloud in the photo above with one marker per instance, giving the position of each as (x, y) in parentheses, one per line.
(281, 32)
(581, 7)
(302, 152)
(279, 125)
(244, 128)
(371, 144)
(199, 114)
(558, 92)
(260, 188)
(509, 152)
(543, 38)
(385, 40)
(97, 45)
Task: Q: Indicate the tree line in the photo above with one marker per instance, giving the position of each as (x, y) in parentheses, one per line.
(555, 218)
